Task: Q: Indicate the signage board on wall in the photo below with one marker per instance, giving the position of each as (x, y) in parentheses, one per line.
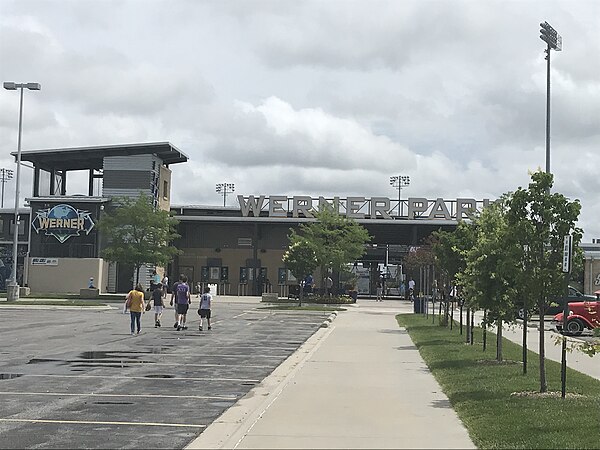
(44, 261)
(62, 221)
(360, 207)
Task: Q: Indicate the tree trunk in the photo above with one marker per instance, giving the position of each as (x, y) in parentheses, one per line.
(468, 325)
(524, 340)
(484, 330)
(499, 356)
(542, 349)
(472, 326)
(137, 275)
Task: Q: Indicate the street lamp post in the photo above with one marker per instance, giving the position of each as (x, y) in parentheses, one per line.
(5, 176)
(551, 37)
(12, 288)
(399, 182)
(225, 188)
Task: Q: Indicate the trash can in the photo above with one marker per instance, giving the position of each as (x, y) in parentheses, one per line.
(417, 305)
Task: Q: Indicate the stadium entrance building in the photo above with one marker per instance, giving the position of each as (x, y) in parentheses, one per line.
(238, 248)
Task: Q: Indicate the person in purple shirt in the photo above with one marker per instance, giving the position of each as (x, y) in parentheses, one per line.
(181, 296)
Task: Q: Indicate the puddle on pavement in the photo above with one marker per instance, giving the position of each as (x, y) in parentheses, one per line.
(113, 403)
(159, 376)
(10, 376)
(114, 365)
(249, 383)
(46, 360)
(118, 354)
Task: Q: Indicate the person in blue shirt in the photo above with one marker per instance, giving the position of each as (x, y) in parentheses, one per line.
(308, 284)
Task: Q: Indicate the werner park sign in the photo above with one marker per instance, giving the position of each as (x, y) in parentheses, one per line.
(360, 207)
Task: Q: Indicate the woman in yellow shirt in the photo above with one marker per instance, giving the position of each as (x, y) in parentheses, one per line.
(135, 299)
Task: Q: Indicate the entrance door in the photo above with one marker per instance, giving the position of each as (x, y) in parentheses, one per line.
(125, 278)
(188, 271)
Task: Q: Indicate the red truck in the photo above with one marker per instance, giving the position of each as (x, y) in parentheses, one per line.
(582, 315)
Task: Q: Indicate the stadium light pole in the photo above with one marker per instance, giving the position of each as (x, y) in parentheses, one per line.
(225, 188)
(12, 288)
(554, 41)
(5, 176)
(399, 182)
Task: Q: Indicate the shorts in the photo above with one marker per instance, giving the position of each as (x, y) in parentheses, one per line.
(204, 313)
(158, 309)
(182, 308)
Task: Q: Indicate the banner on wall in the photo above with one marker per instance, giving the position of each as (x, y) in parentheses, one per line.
(62, 221)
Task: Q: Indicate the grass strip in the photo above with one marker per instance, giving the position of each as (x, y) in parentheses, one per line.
(480, 391)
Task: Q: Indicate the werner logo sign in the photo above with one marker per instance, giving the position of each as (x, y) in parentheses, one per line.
(361, 207)
(62, 222)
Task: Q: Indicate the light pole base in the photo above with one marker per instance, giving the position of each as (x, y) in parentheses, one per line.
(12, 291)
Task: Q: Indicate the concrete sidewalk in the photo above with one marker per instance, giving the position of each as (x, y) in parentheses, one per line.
(360, 383)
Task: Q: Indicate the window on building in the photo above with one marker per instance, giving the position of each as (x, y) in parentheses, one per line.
(21, 227)
(165, 190)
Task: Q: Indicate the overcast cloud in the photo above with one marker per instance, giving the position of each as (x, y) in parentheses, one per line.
(313, 97)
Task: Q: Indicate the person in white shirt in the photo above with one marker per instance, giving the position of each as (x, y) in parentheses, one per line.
(204, 308)
(411, 289)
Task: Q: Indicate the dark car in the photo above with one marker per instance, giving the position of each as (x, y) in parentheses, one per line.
(557, 305)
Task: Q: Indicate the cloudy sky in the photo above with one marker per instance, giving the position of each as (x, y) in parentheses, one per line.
(317, 98)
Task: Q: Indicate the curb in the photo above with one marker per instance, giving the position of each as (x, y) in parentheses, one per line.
(228, 430)
(57, 307)
(329, 320)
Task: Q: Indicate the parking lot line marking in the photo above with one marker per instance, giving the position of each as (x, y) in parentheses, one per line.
(146, 363)
(94, 422)
(92, 394)
(244, 380)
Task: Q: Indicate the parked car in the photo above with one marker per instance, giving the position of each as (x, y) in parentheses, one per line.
(557, 304)
(582, 315)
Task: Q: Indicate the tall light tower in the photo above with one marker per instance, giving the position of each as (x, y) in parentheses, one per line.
(12, 288)
(5, 176)
(551, 37)
(399, 182)
(224, 189)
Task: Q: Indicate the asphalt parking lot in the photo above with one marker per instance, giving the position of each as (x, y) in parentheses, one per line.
(78, 379)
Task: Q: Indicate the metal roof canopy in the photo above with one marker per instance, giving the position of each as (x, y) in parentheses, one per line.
(85, 158)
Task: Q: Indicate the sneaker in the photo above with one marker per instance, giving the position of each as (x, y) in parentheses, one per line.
(155, 324)
(210, 328)
(184, 327)
(158, 323)
(199, 328)
(176, 325)
(132, 333)
(138, 332)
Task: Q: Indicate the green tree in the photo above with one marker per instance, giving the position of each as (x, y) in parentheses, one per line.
(543, 218)
(450, 250)
(136, 234)
(335, 239)
(491, 267)
(300, 258)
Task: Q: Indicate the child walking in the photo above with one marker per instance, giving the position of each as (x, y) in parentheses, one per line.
(204, 308)
(157, 298)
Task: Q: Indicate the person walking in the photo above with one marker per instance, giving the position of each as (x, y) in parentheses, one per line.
(157, 299)
(182, 299)
(411, 289)
(135, 300)
(328, 286)
(204, 308)
(379, 291)
(165, 283)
